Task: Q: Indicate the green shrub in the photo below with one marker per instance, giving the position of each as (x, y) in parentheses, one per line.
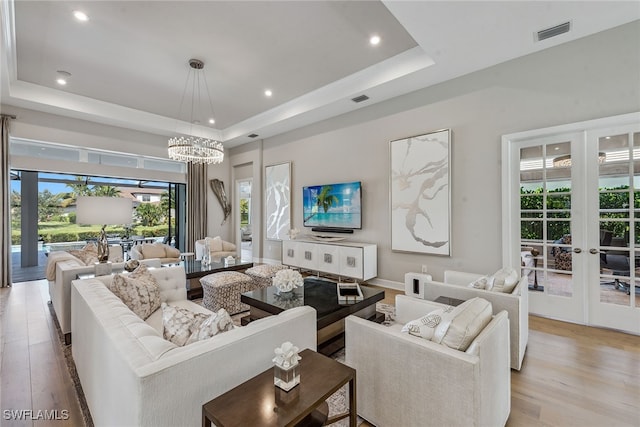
(62, 237)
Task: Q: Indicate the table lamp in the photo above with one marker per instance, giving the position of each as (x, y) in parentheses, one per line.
(106, 211)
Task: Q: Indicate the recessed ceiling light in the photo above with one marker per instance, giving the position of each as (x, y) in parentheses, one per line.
(268, 93)
(80, 15)
(211, 121)
(374, 40)
(62, 77)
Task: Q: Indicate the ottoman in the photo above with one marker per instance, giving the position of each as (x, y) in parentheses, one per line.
(263, 274)
(222, 290)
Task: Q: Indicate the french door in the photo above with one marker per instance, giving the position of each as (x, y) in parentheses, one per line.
(571, 214)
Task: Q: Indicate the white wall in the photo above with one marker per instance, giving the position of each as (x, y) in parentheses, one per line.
(589, 78)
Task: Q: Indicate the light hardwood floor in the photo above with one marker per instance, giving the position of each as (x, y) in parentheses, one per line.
(572, 375)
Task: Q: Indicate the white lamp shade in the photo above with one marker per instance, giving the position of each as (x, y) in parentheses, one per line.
(104, 210)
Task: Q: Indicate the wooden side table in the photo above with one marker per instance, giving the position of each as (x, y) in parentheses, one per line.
(258, 402)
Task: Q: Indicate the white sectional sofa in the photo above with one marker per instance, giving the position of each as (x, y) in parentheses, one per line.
(131, 376)
(404, 380)
(62, 268)
(516, 304)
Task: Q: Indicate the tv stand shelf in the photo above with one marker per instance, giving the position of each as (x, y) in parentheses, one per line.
(345, 259)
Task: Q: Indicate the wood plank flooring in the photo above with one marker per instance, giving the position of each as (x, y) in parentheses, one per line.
(572, 375)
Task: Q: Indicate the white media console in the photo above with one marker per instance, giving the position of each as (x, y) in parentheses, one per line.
(355, 260)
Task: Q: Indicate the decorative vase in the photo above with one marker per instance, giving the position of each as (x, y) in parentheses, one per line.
(286, 372)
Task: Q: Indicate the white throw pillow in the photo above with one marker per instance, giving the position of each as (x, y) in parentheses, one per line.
(425, 326)
(138, 290)
(179, 323)
(152, 250)
(215, 243)
(504, 280)
(215, 324)
(483, 282)
(464, 323)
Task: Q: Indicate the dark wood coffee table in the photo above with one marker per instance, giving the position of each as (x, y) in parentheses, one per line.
(258, 402)
(195, 270)
(321, 295)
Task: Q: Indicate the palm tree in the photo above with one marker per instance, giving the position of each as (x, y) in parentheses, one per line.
(105, 191)
(78, 188)
(326, 200)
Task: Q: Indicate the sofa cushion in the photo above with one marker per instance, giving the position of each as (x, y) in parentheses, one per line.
(153, 250)
(216, 323)
(504, 280)
(171, 252)
(464, 323)
(425, 326)
(179, 323)
(138, 290)
(88, 254)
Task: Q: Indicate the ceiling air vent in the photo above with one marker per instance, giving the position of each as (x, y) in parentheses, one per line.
(360, 98)
(553, 31)
(253, 135)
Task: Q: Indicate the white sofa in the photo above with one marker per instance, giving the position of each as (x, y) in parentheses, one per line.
(62, 268)
(404, 380)
(516, 304)
(131, 376)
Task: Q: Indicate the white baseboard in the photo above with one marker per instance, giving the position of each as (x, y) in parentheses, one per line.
(398, 286)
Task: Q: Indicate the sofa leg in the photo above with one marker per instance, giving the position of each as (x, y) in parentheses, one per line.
(67, 338)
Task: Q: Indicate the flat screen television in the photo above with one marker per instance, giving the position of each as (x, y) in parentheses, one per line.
(333, 206)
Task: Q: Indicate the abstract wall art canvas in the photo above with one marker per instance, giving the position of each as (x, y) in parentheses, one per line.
(278, 200)
(420, 193)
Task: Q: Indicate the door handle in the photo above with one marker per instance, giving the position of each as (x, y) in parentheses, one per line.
(577, 250)
(593, 251)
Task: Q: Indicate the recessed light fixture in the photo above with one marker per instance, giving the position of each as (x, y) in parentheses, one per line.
(374, 40)
(268, 93)
(62, 77)
(211, 121)
(80, 15)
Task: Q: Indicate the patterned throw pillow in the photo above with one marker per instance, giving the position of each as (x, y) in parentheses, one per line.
(179, 323)
(425, 326)
(215, 324)
(138, 290)
(483, 282)
(88, 254)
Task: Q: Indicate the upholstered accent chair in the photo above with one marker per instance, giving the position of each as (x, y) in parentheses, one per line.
(218, 248)
(167, 254)
(406, 380)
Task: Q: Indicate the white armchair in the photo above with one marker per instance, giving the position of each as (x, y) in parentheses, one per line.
(516, 304)
(410, 381)
(218, 248)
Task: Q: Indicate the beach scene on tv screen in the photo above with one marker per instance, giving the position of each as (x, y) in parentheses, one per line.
(332, 205)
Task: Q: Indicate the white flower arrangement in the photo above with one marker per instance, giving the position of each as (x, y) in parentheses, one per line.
(286, 355)
(287, 280)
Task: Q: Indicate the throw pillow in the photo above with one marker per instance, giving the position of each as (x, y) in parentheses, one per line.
(87, 257)
(171, 252)
(425, 326)
(152, 250)
(215, 324)
(483, 282)
(179, 323)
(504, 280)
(465, 322)
(214, 243)
(138, 290)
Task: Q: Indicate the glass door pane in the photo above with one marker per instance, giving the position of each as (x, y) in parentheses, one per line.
(545, 217)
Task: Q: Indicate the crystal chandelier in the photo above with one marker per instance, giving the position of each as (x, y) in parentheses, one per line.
(191, 148)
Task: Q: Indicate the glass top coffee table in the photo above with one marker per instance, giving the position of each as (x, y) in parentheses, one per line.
(322, 295)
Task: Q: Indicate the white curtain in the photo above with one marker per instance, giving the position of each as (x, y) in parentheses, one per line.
(5, 194)
(196, 204)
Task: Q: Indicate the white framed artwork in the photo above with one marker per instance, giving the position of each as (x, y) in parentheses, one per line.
(420, 193)
(277, 200)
